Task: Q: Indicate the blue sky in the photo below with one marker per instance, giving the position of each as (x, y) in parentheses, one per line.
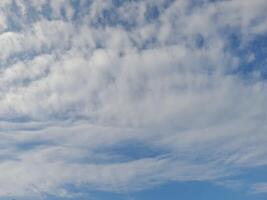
(133, 99)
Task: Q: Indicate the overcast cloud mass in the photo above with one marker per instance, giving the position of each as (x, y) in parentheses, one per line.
(122, 96)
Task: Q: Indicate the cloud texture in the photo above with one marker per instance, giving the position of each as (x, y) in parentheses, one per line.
(124, 95)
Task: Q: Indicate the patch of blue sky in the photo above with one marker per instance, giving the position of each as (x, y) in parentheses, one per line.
(172, 191)
(30, 145)
(78, 7)
(251, 55)
(46, 11)
(152, 13)
(18, 119)
(111, 17)
(118, 3)
(131, 150)
(252, 175)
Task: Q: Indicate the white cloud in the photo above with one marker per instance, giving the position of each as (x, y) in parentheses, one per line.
(72, 91)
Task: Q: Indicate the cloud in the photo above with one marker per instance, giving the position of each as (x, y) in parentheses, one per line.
(79, 80)
(259, 188)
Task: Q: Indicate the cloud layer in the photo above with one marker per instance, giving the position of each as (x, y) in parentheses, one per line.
(124, 95)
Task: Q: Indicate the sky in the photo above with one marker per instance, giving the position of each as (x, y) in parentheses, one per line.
(133, 99)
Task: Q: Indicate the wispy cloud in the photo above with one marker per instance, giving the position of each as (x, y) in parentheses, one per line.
(259, 187)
